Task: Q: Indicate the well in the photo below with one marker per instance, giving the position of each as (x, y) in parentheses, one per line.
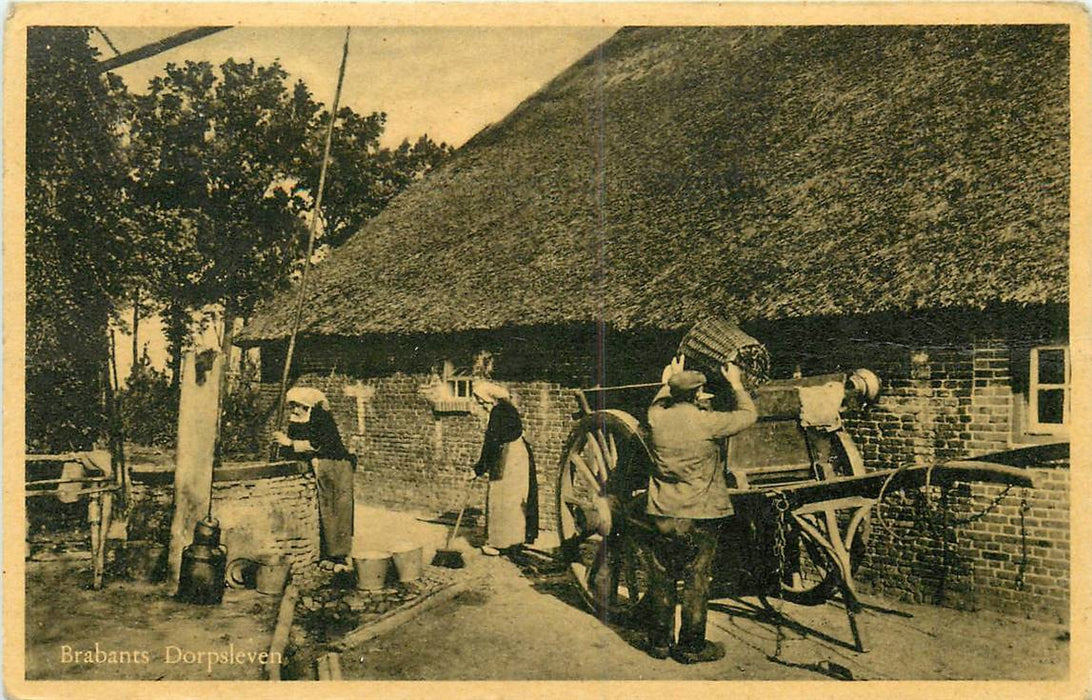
(264, 508)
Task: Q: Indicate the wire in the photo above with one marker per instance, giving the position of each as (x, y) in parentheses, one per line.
(108, 42)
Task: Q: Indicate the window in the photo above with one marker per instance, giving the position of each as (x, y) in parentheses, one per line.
(451, 391)
(1048, 390)
(460, 387)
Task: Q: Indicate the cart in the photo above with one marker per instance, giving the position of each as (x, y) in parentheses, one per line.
(800, 490)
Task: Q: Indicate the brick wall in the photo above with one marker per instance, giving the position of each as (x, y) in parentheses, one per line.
(411, 457)
(976, 547)
(941, 403)
(263, 516)
(949, 391)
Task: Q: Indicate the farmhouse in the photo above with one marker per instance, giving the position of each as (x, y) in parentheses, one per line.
(894, 198)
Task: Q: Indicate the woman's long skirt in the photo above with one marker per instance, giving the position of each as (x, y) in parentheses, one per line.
(334, 479)
(512, 500)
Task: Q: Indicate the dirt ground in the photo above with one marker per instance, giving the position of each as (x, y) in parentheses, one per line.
(64, 616)
(526, 622)
(523, 621)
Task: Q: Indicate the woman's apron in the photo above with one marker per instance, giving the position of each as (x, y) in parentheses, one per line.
(512, 499)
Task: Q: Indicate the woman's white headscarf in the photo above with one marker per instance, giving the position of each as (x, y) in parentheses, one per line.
(489, 392)
(308, 397)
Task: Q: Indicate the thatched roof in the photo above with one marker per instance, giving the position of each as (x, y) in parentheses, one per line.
(762, 172)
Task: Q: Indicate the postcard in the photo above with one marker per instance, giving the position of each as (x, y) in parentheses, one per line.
(534, 350)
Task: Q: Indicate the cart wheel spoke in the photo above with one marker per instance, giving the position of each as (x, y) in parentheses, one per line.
(602, 469)
(586, 472)
(602, 456)
(612, 450)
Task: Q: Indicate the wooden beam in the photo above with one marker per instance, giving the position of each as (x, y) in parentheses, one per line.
(157, 47)
(197, 421)
(890, 480)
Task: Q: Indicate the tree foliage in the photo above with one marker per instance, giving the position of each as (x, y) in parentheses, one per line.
(149, 412)
(364, 177)
(193, 194)
(75, 245)
(214, 155)
(226, 165)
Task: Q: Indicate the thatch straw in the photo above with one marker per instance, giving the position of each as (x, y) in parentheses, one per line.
(760, 172)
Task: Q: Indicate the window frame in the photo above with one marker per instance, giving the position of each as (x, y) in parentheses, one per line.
(1032, 424)
(455, 391)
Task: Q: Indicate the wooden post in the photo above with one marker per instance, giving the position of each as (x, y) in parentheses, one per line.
(94, 520)
(105, 516)
(285, 612)
(199, 397)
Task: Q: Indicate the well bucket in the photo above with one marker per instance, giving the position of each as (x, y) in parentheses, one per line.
(408, 562)
(371, 569)
(272, 575)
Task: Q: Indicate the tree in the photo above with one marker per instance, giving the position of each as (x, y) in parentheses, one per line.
(75, 247)
(215, 154)
(364, 177)
(233, 157)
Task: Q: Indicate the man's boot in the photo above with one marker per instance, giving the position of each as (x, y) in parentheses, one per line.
(709, 651)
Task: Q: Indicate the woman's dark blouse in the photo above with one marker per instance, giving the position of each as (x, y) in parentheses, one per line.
(321, 431)
(504, 427)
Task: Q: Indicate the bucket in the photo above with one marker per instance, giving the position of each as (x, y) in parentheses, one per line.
(272, 575)
(408, 562)
(242, 573)
(371, 569)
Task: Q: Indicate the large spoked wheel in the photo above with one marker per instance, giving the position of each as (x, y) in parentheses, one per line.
(810, 575)
(600, 489)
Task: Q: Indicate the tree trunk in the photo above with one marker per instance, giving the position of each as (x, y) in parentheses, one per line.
(136, 330)
(116, 440)
(177, 333)
(225, 379)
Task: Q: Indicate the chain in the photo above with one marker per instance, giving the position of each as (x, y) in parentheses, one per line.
(781, 504)
(1022, 570)
(936, 514)
(984, 512)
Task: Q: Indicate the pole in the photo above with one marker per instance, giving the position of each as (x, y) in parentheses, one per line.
(311, 237)
(156, 47)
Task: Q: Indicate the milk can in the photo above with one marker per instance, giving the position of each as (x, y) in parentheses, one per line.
(201, 576)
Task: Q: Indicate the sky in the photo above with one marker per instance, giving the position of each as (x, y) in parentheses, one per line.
(447, 82)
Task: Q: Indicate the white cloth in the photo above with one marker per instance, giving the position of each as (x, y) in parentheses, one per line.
(489, 392)
(507, 499)
(307, 396)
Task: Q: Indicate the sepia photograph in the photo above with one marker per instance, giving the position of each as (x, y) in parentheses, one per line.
(558, 343)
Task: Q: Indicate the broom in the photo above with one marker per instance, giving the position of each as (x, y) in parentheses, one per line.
(453, 558)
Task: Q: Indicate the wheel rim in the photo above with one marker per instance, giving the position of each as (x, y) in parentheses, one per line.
(604, 560)
(809, 573)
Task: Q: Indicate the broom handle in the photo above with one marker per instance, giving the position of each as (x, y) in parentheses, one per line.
(459, 520)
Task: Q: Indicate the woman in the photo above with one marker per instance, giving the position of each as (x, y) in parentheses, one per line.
(512, 500)
(313, 437)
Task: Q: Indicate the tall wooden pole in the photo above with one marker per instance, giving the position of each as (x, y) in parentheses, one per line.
(194, 455)
(315, 215)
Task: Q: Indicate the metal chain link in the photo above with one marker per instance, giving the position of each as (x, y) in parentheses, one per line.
(1023, 566)
(781, 504)
(986, 511)
(936, 515)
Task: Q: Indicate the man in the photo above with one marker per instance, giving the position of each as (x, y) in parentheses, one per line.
(687, 493)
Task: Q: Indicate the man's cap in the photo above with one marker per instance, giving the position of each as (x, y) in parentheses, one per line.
(687, 380)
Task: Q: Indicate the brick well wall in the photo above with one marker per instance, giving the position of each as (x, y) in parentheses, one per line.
(411, 457)
(264, 516)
